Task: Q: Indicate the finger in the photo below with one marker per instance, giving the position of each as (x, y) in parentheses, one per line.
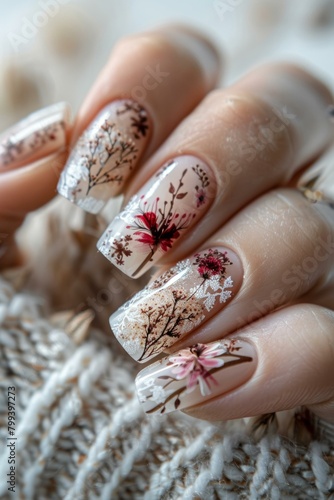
(151, 82)
(237, 144)
(282, 361)
(32, 154)
(26, 189)
(272, 253)
(42, 133)
(22, 191)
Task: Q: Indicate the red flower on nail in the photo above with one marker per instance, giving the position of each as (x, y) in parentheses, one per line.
(159, 225)
(212, 263)
(153, 234)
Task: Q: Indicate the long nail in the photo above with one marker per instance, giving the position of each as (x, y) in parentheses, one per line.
(40, 134)
(167, 206)
(177, 302)
(105, 155)
(195, 374)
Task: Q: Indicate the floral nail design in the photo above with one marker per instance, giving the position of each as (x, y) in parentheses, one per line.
(40, 134)
(176, 303)
(195, 374)
(156, 218)
(194, 365)
(105, 155)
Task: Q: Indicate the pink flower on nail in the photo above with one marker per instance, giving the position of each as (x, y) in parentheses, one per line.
(195, 363)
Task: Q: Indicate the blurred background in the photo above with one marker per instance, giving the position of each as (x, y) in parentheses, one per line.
(52, 50)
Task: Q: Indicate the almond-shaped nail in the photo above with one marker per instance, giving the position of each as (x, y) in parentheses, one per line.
(195, 374)
(177, 302)
(105, 154)
(167, 206)
(40, 134)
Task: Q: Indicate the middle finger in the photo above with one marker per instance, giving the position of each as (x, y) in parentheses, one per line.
(237, 144)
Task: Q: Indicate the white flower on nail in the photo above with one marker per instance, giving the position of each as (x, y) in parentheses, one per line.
(159, 395)
(212, 289)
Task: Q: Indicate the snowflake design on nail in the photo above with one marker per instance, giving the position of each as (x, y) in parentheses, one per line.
(212, 289)
(121, 320)
(174, 304)
(211, 267)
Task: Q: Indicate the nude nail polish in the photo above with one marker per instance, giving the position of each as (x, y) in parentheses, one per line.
(165, 209)
(40, 134)
(194, 375)
(105, 155)
(177, 302)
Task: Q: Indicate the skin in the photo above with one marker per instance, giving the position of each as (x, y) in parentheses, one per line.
(252, 205)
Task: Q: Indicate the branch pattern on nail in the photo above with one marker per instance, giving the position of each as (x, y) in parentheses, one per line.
(11, 150)
(175, 304)
(158, 216)
(105, 155)
(193, 375)
(40, 134)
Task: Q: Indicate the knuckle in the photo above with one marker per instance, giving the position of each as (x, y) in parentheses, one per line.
(320, 324)
(298, 217)
(230, 105)
(260, 124)
(300, 237)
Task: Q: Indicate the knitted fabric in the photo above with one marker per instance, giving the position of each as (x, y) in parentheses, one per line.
(81, 433)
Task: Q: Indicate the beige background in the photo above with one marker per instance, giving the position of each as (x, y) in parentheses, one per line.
(50, 57)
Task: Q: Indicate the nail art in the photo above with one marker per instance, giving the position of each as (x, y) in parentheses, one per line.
(105, 155)
(40, 134)
(167, 206)
(177, 302)
(194, 375)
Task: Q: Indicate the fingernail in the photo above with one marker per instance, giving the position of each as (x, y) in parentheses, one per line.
(167, 206)
(105, 155)
(195, 374)
(177, 302)
(40, 134)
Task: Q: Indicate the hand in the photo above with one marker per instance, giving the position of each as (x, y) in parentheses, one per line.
(246, 315)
